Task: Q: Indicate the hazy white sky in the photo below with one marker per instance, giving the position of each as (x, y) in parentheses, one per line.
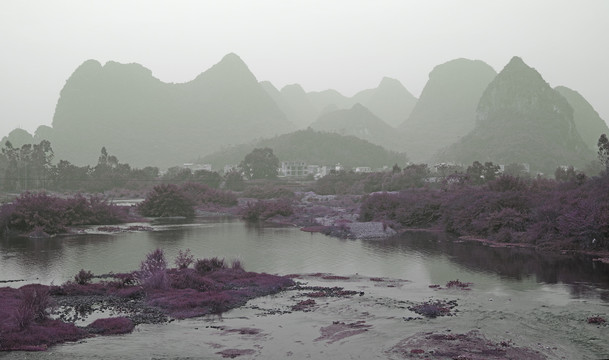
(344, 45)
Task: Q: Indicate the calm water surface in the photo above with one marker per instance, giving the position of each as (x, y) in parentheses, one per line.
(425, 258)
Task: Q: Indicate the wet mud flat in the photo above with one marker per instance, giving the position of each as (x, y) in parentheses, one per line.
(345, 317)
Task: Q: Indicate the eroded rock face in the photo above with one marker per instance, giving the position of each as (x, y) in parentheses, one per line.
(587, 121)
(521, 119)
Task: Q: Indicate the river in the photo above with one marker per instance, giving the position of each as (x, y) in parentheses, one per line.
(421, 258)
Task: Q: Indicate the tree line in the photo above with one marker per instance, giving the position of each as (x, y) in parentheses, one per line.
(31, 167)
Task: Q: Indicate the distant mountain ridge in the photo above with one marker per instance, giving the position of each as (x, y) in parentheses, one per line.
(144, 121)
(390, 101)
(446, 108)
(587, 121)
(360, 122)
(521, 119)
(297, 100)
(147, 122)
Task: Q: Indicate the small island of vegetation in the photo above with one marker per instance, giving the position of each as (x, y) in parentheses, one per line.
(36, 316)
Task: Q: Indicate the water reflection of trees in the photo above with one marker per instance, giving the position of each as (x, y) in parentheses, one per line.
(579, 271)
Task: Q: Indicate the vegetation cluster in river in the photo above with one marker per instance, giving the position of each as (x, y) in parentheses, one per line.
(150, 294)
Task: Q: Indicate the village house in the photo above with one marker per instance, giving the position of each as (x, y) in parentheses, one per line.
(197, 167)
(293, 169)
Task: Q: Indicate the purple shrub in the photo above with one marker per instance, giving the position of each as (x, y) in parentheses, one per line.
(203, 194)
(252, 211)
(413, 208)
(191, 279)
(54, 215)
(268, 191)
(458, 284)
(543, 212)
(191, 294)
(340, 183)
(196, 294)
(304, 305)
(35, 301)
(508, 183)
(596, 320)
(153, 271)
(94, 210)
(184, 259)
(155, 261)
(39, 210)
(124, 279)
(83, 277)
(236, 265)
(233, 353)
(433, 309)
(166, 200)
(506, 218)
(257, 284)
(156, 280)
(184, 303)
(203, 266)
(111, 326)
(265, 209)
(481, 212)
(39, 336)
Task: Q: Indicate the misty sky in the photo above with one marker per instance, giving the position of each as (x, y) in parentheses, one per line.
(345, 45)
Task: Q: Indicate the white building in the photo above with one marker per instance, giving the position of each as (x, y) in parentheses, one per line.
(294, 169)
(197, 167)
(229, 168)
(363, 169)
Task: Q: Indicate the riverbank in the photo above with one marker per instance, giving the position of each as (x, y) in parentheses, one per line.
(339, 216)
(545, 215)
